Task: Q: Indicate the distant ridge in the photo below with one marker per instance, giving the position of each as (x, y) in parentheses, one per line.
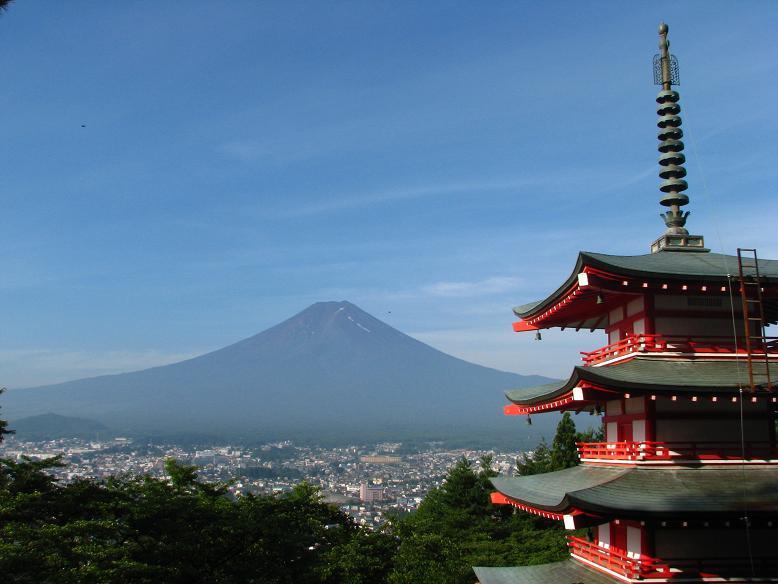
(49, 426)
(330, 368)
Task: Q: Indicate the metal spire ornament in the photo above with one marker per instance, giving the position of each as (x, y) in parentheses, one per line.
(671, 157)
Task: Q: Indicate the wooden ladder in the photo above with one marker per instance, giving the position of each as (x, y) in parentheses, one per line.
(753, 316)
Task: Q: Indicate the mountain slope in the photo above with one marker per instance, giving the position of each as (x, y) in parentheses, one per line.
(49, 426)
(330, 366)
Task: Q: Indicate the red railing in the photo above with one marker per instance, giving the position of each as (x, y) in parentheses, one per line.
(640, 566)
(645, 343)
(613, 559)
(668, 451)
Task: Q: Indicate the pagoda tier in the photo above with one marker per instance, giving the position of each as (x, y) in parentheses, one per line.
(652, 524)
(701, 381)
(684, 285)
(670, 494)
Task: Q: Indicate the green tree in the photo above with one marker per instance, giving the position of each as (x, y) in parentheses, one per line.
(430, 558)
(365, 558)
(3, 424)
(536, 462)
(564, 453)
(457, 527)
(592, 434)
(140, 529)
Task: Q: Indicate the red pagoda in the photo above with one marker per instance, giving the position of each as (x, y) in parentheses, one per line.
(685, 486)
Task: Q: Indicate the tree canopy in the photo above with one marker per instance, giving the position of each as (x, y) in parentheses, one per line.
(563, 452)
(141, 529)
(456, 527)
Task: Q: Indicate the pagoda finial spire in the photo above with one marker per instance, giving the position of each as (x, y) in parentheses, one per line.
(671, 158)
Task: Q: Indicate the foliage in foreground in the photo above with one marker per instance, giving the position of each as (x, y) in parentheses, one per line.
(563, 452)
(456, 527)
(141, 529)
(148, 530)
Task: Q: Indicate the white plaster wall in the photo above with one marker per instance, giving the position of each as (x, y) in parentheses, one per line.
(634, 405)
(638, 430)
(633, 542)
(611, 432)
(604, 535)
(616, 315)
(635, 306)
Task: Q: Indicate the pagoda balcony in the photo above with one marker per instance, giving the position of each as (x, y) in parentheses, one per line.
(677, 452)
(640, 567)
(612, 559)
(676, 346)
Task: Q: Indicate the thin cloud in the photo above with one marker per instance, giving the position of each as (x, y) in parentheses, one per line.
(368, 199)
(577, 177)
(30, 367)
(495, 285)
(636, 178)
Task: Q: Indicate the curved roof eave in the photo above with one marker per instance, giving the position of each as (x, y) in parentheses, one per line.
(647, 374)
(537, 393)
(691, 491)
(532, 307)
(551, 491)
(670, 265)
(646, 491)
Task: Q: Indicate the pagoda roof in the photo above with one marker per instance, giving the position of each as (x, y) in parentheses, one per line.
(649, 374)
(637, 492)
(665, 266)
(676, 264)
(564, 572)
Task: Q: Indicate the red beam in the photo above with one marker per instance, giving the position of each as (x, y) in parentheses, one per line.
(523, 326)
(513, 410)
(498, 498)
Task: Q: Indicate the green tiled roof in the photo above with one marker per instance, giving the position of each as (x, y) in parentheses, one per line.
(672, 263)
(549, 490)
(527, 396)
(536, 393)
(526, 308)
(664, 264)
(565, 572)
(650, 374)
(637, 492)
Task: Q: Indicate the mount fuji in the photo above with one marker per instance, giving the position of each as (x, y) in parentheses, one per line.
(331, 368)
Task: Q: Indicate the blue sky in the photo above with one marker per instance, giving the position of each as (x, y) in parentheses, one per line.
(178, 176)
